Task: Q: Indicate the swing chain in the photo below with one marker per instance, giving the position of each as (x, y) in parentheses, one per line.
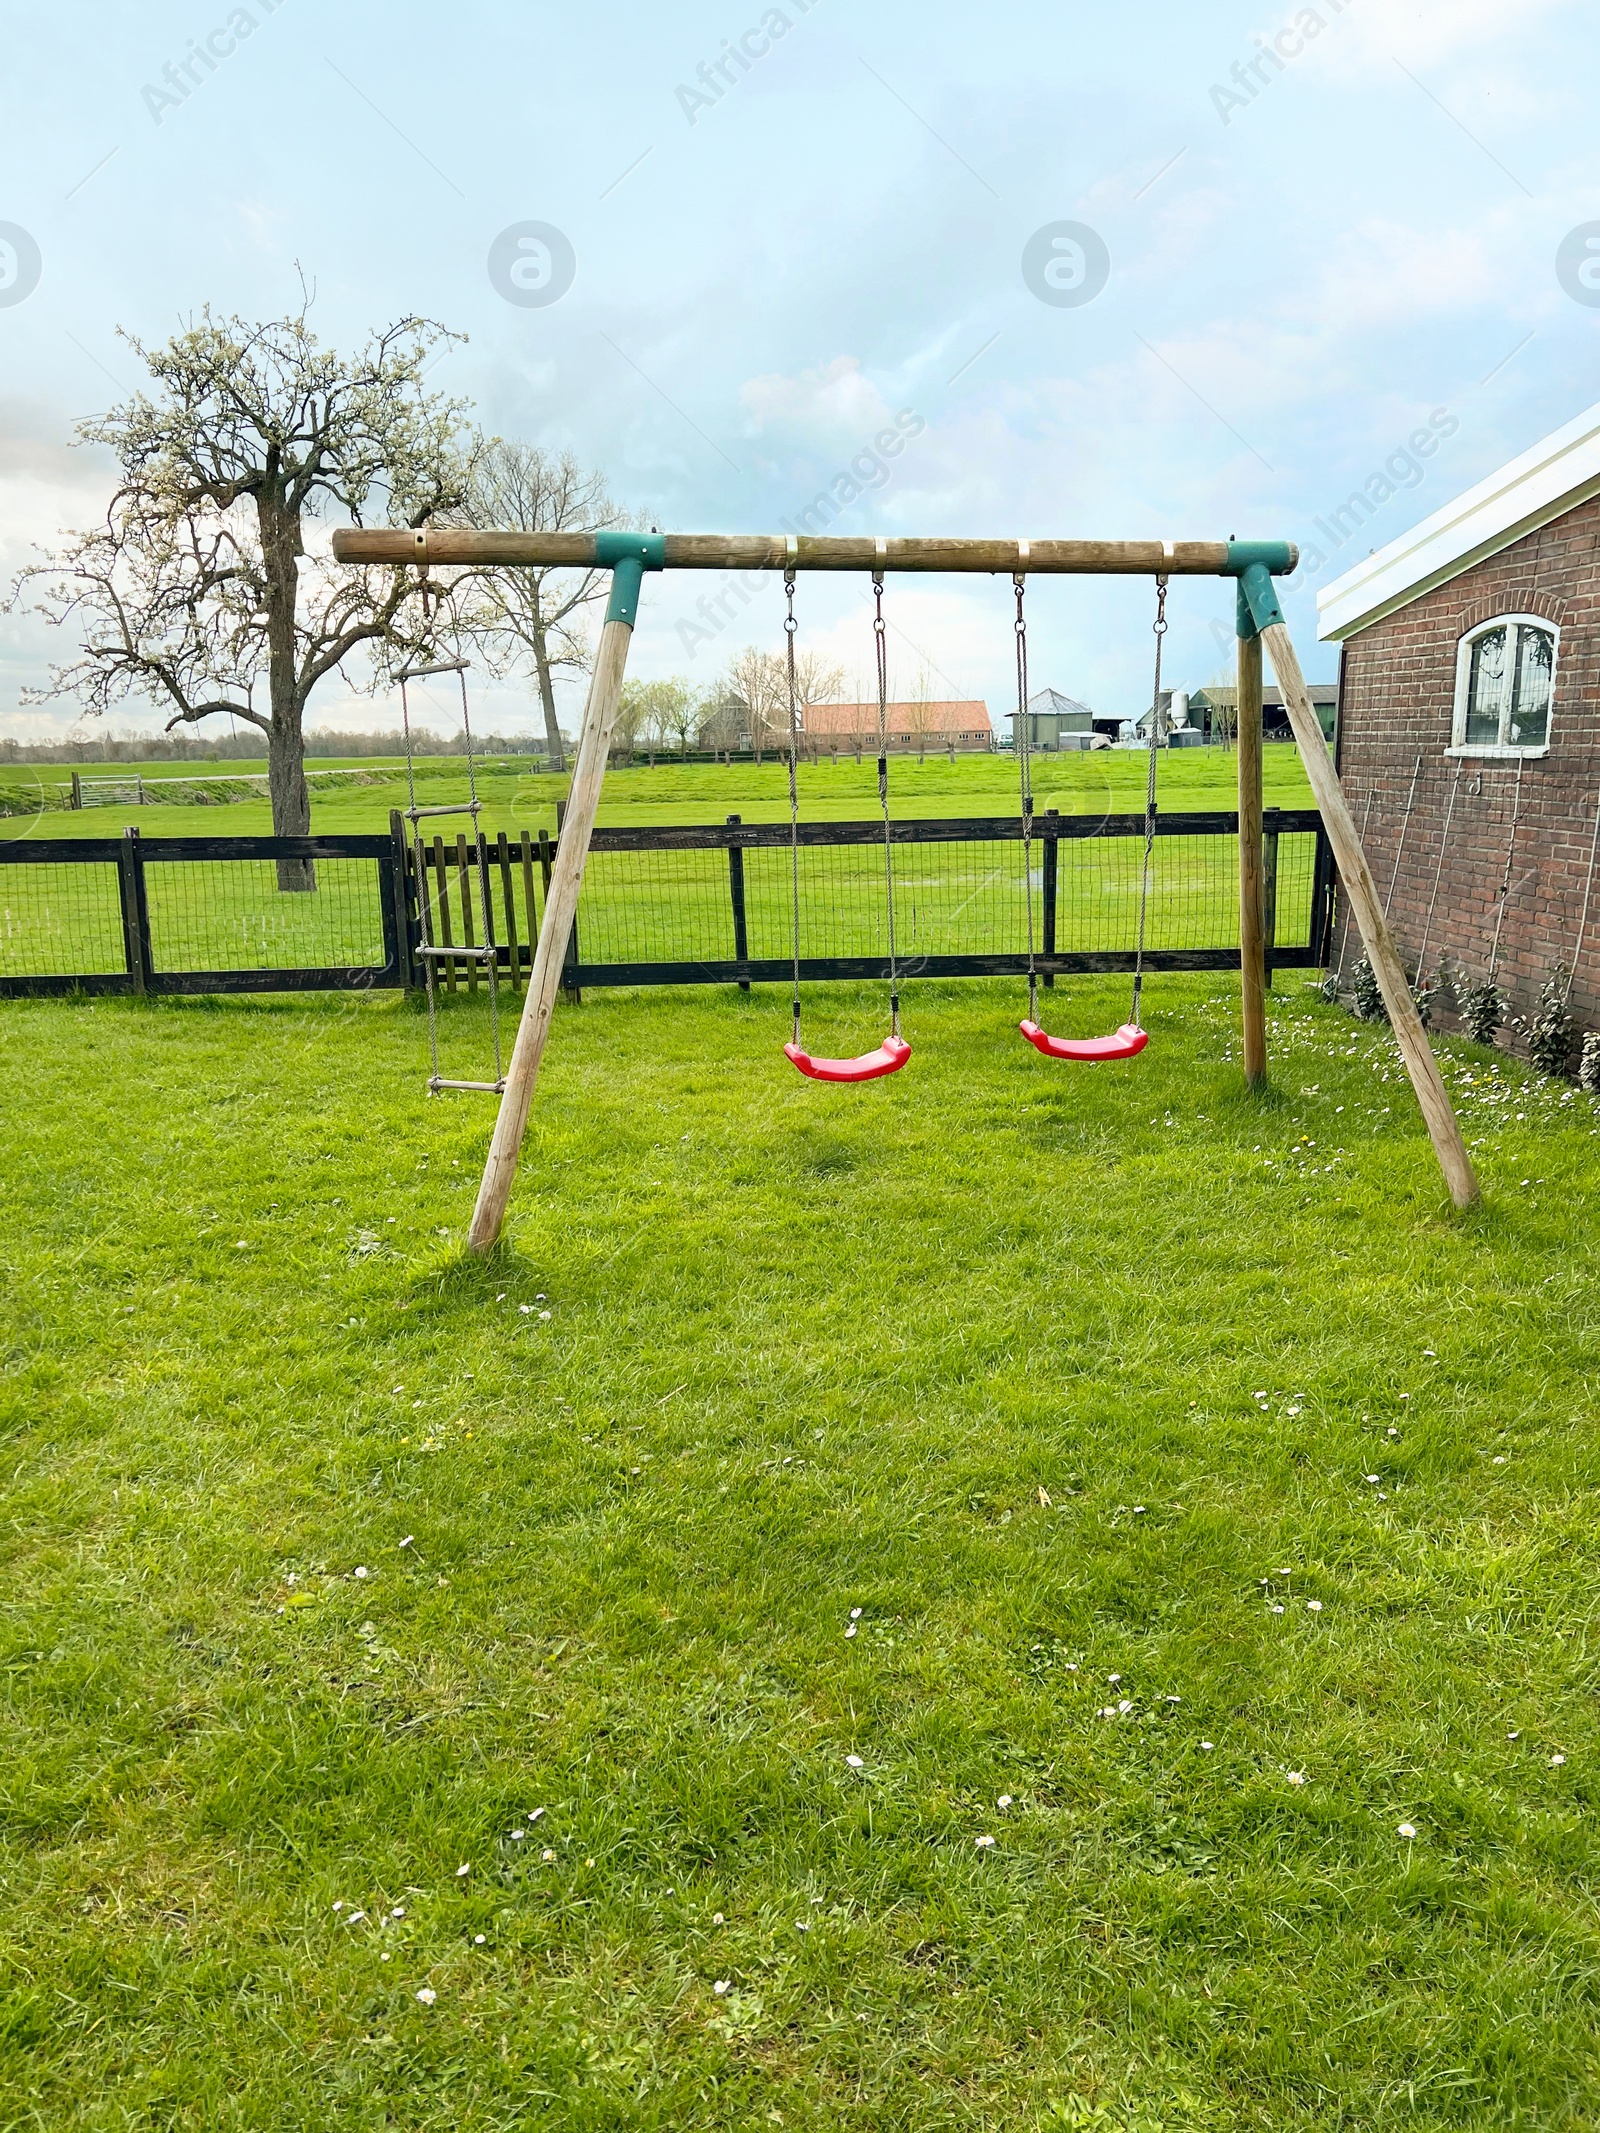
(880, 643)
(1159, 627)
(1025, 763)
(789, 628)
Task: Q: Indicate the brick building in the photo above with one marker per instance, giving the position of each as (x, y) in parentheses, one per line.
(1470, 688)
(912, 728)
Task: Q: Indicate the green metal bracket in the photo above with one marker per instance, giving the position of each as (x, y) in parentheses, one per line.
(628, 556)
(1258, 598)
(1255, 564)
(1280, 557)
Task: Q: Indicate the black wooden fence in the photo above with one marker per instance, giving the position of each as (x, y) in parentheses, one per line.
(662, 905)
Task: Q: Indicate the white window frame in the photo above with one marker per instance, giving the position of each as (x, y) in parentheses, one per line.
(1500, 751)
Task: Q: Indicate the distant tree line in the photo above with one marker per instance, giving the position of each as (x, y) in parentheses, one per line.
(249, 748)
(746, 707)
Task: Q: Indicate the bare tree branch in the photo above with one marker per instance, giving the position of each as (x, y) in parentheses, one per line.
(202, 580)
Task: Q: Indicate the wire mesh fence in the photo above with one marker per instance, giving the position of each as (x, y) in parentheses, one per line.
(61, 920)
(961, 897)
(660, 905)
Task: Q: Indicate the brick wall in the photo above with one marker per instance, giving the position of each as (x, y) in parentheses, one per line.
(1399, 698)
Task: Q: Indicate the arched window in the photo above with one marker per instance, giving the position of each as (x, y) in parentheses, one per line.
(1505, 678)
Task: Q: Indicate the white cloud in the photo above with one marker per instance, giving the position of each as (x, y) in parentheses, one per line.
(834, 403)
(1423, 33)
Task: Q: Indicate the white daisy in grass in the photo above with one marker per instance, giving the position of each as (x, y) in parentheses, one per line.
(549, 1858)
(479, 1939)
(1406, 1830)
(854, 1762)
(722, 1985)
(1208, 1745)
(462, 1871)
(984, 1844)
(427, 1995)
(1004, 1800)
(1314, 1607)
(1556, 1761)
(1295, 1777)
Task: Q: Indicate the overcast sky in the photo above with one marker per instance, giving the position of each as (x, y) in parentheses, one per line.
(1307, 263)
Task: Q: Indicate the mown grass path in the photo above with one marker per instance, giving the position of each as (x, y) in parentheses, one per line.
(370, 1634)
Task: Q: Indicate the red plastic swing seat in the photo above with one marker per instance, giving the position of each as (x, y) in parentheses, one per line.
(1127, 1041)
(889, 1058)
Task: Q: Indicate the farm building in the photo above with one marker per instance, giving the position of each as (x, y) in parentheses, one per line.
(1057, 722)
(1467, 743)
(1209, 713)
(913, 728)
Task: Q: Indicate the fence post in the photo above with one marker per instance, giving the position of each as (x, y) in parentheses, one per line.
(401, 901)
(1052, 863)
(135, 911)
(1269, 894)
(503, 853)
(741, 937)
(569, 962)
(1320, 932)
(77, 790)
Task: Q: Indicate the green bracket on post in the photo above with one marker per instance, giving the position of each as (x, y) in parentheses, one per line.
(1255, 564)
(628, 556)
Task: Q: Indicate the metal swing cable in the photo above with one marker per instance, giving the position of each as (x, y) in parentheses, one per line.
(881, 649)
(1025, 765)
(1160, 628)
(789, 627)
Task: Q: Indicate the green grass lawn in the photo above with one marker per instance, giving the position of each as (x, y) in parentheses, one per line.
(572, 1690)
(516, 798)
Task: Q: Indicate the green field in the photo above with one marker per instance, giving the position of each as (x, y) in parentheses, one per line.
(571, 1690)
(675, 906)
(515, 798)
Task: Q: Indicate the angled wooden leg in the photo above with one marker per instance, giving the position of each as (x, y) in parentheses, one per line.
(560, 909)
(1438, 1113)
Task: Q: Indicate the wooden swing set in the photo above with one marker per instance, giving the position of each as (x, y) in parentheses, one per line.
(1252, 564)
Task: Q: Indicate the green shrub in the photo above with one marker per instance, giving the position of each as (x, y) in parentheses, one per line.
(1550, 1030)
(1369, 1000)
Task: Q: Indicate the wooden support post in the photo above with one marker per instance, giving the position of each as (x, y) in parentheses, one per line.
(1252, 902)
(561, 909)
(1438, 1114)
